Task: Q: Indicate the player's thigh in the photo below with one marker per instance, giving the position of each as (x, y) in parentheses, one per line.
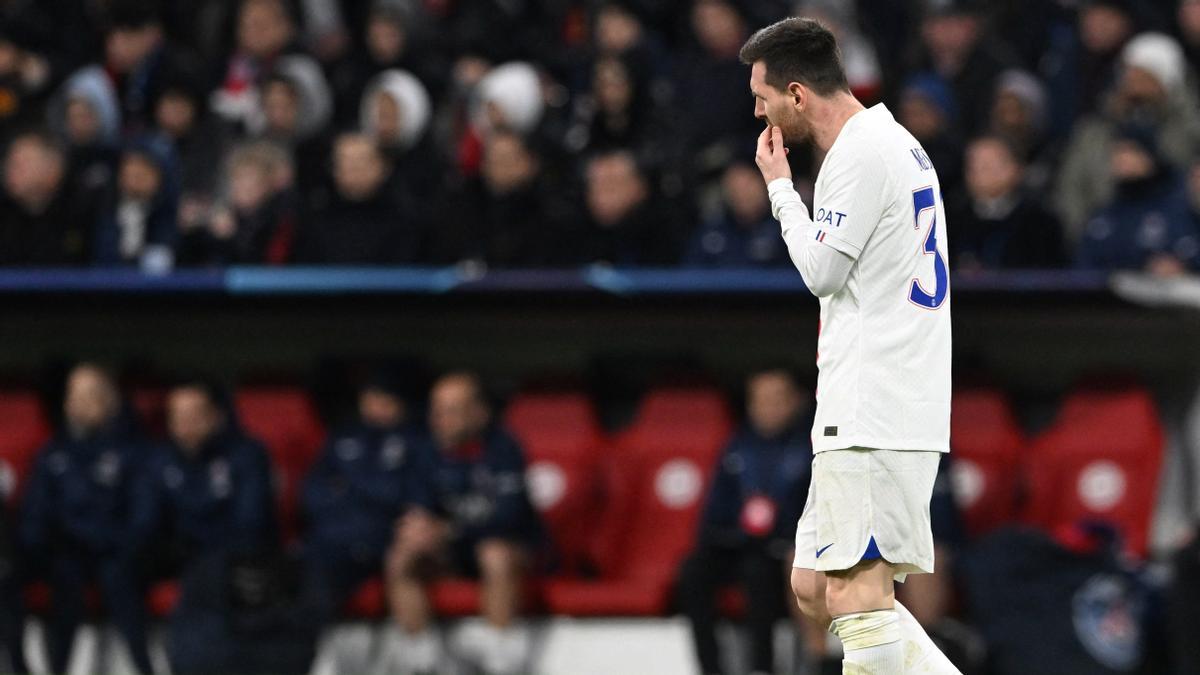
(867, 586)
(809, 588)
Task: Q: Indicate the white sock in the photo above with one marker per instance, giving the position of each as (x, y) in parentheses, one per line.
(871, 643)
(406, 652)
(506, 651)
(921, 655)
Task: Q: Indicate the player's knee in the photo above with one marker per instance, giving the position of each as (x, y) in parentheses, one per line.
(498, 559)
(807, 587)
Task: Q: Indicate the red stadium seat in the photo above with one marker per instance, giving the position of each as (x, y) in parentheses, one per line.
(1098, 463)
(284, 420)
(23, 430)
(985, 469)
(149, 403)
(656, 480)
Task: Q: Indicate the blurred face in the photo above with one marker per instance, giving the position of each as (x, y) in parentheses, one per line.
(32, 172)
(951, 35)
(249, 186)
(613, 88)
(779, 108)
(83, 124)
(90, 402)
(385, 39)
(1130, 162)
(175, 114)
(617, 30)
(745, 193)
(281, 108)
(922, 118)
(992, 171)
(388, 118)
(192, 419)
(772, 403)
(718, 27)
(614, 188)
(358, 168)
(139, 178)
(457, 413)
(10, 57)
(125, 48)
(1139, 86)
(507, 164)
(1102, 29)
(1009, 114)
(263, 27)
(380, 409)
(1189, 20)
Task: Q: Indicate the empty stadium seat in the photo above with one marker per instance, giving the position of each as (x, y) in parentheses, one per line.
(23, 430)
(986, 445)
(283, 418)
(1098, 463)
(655, 480)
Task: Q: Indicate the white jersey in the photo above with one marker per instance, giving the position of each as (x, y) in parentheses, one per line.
(884, 348)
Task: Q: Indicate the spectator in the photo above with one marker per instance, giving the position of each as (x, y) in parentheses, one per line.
(87, 116)
(396, 112)
(265, 31)
(75, 519)
(859, 59)
(1082, 63)
(139, 60)
(511, 216)
(997, 224)
(957, 49)
(627, 224)
(138, 226)
(618, 112)
(296, 107)
(747, 530)
(482, 523)
(181, 116)
(508, 96)
(41, 222)
(929, 112)
(12, 593)
(258, 224)
(365, 222)
(711, 86)
(369, 475)
(1149, 92)
(742, 233)
(1188, 18)
(25, 76)
(1019, 115)
(1148, 225)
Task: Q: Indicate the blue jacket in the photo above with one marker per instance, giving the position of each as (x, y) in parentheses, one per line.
(483, 493)
(1138, 225)
(221, 499)
(80, 493)
(752, 465)
(365, 478)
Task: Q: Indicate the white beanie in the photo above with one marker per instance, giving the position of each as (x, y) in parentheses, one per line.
(1158, 54)
(409, 95)
(516, 90)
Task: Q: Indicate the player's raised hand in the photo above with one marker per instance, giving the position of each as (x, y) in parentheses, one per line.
(771, 156)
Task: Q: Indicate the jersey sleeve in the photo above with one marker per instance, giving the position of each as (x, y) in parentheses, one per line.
(850, 197)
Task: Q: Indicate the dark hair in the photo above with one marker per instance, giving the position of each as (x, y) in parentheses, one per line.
(1003, 141)
(797, 50)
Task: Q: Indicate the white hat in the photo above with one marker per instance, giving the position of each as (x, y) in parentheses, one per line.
(516, 90)
(1158, 54)
(410, 96)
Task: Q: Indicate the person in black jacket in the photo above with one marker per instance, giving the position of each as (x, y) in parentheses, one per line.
(482, 523)
(41, 221)
(749, 519)
(365, 221)
(368, 476)
(75, 520)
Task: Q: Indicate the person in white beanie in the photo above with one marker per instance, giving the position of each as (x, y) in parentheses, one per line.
(1151, 91)
(395, 110)
(510, 95)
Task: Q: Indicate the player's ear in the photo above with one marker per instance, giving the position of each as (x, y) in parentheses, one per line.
(799, 95)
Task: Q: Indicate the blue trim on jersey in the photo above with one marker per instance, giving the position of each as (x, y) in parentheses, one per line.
(872, 552)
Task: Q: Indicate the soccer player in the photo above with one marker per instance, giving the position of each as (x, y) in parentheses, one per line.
(874, 252)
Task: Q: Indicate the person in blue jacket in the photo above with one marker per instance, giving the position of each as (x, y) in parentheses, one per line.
(365, 480)
(749, 519)
(75, 516)
(1148, 225)
(208, 490)
(481, 524)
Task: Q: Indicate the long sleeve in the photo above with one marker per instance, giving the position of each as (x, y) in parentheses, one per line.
(36, 508)
(823, 268)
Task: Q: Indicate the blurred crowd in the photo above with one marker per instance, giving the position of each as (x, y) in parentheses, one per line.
(556, 133)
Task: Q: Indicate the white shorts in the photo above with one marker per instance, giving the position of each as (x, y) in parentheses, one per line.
(861, 493)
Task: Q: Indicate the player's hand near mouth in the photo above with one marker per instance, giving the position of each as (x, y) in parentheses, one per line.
(771, 156)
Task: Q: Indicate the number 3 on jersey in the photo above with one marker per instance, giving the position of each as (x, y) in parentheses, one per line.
(924, 200)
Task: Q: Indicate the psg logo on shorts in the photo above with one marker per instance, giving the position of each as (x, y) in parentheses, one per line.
(1106, 613)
